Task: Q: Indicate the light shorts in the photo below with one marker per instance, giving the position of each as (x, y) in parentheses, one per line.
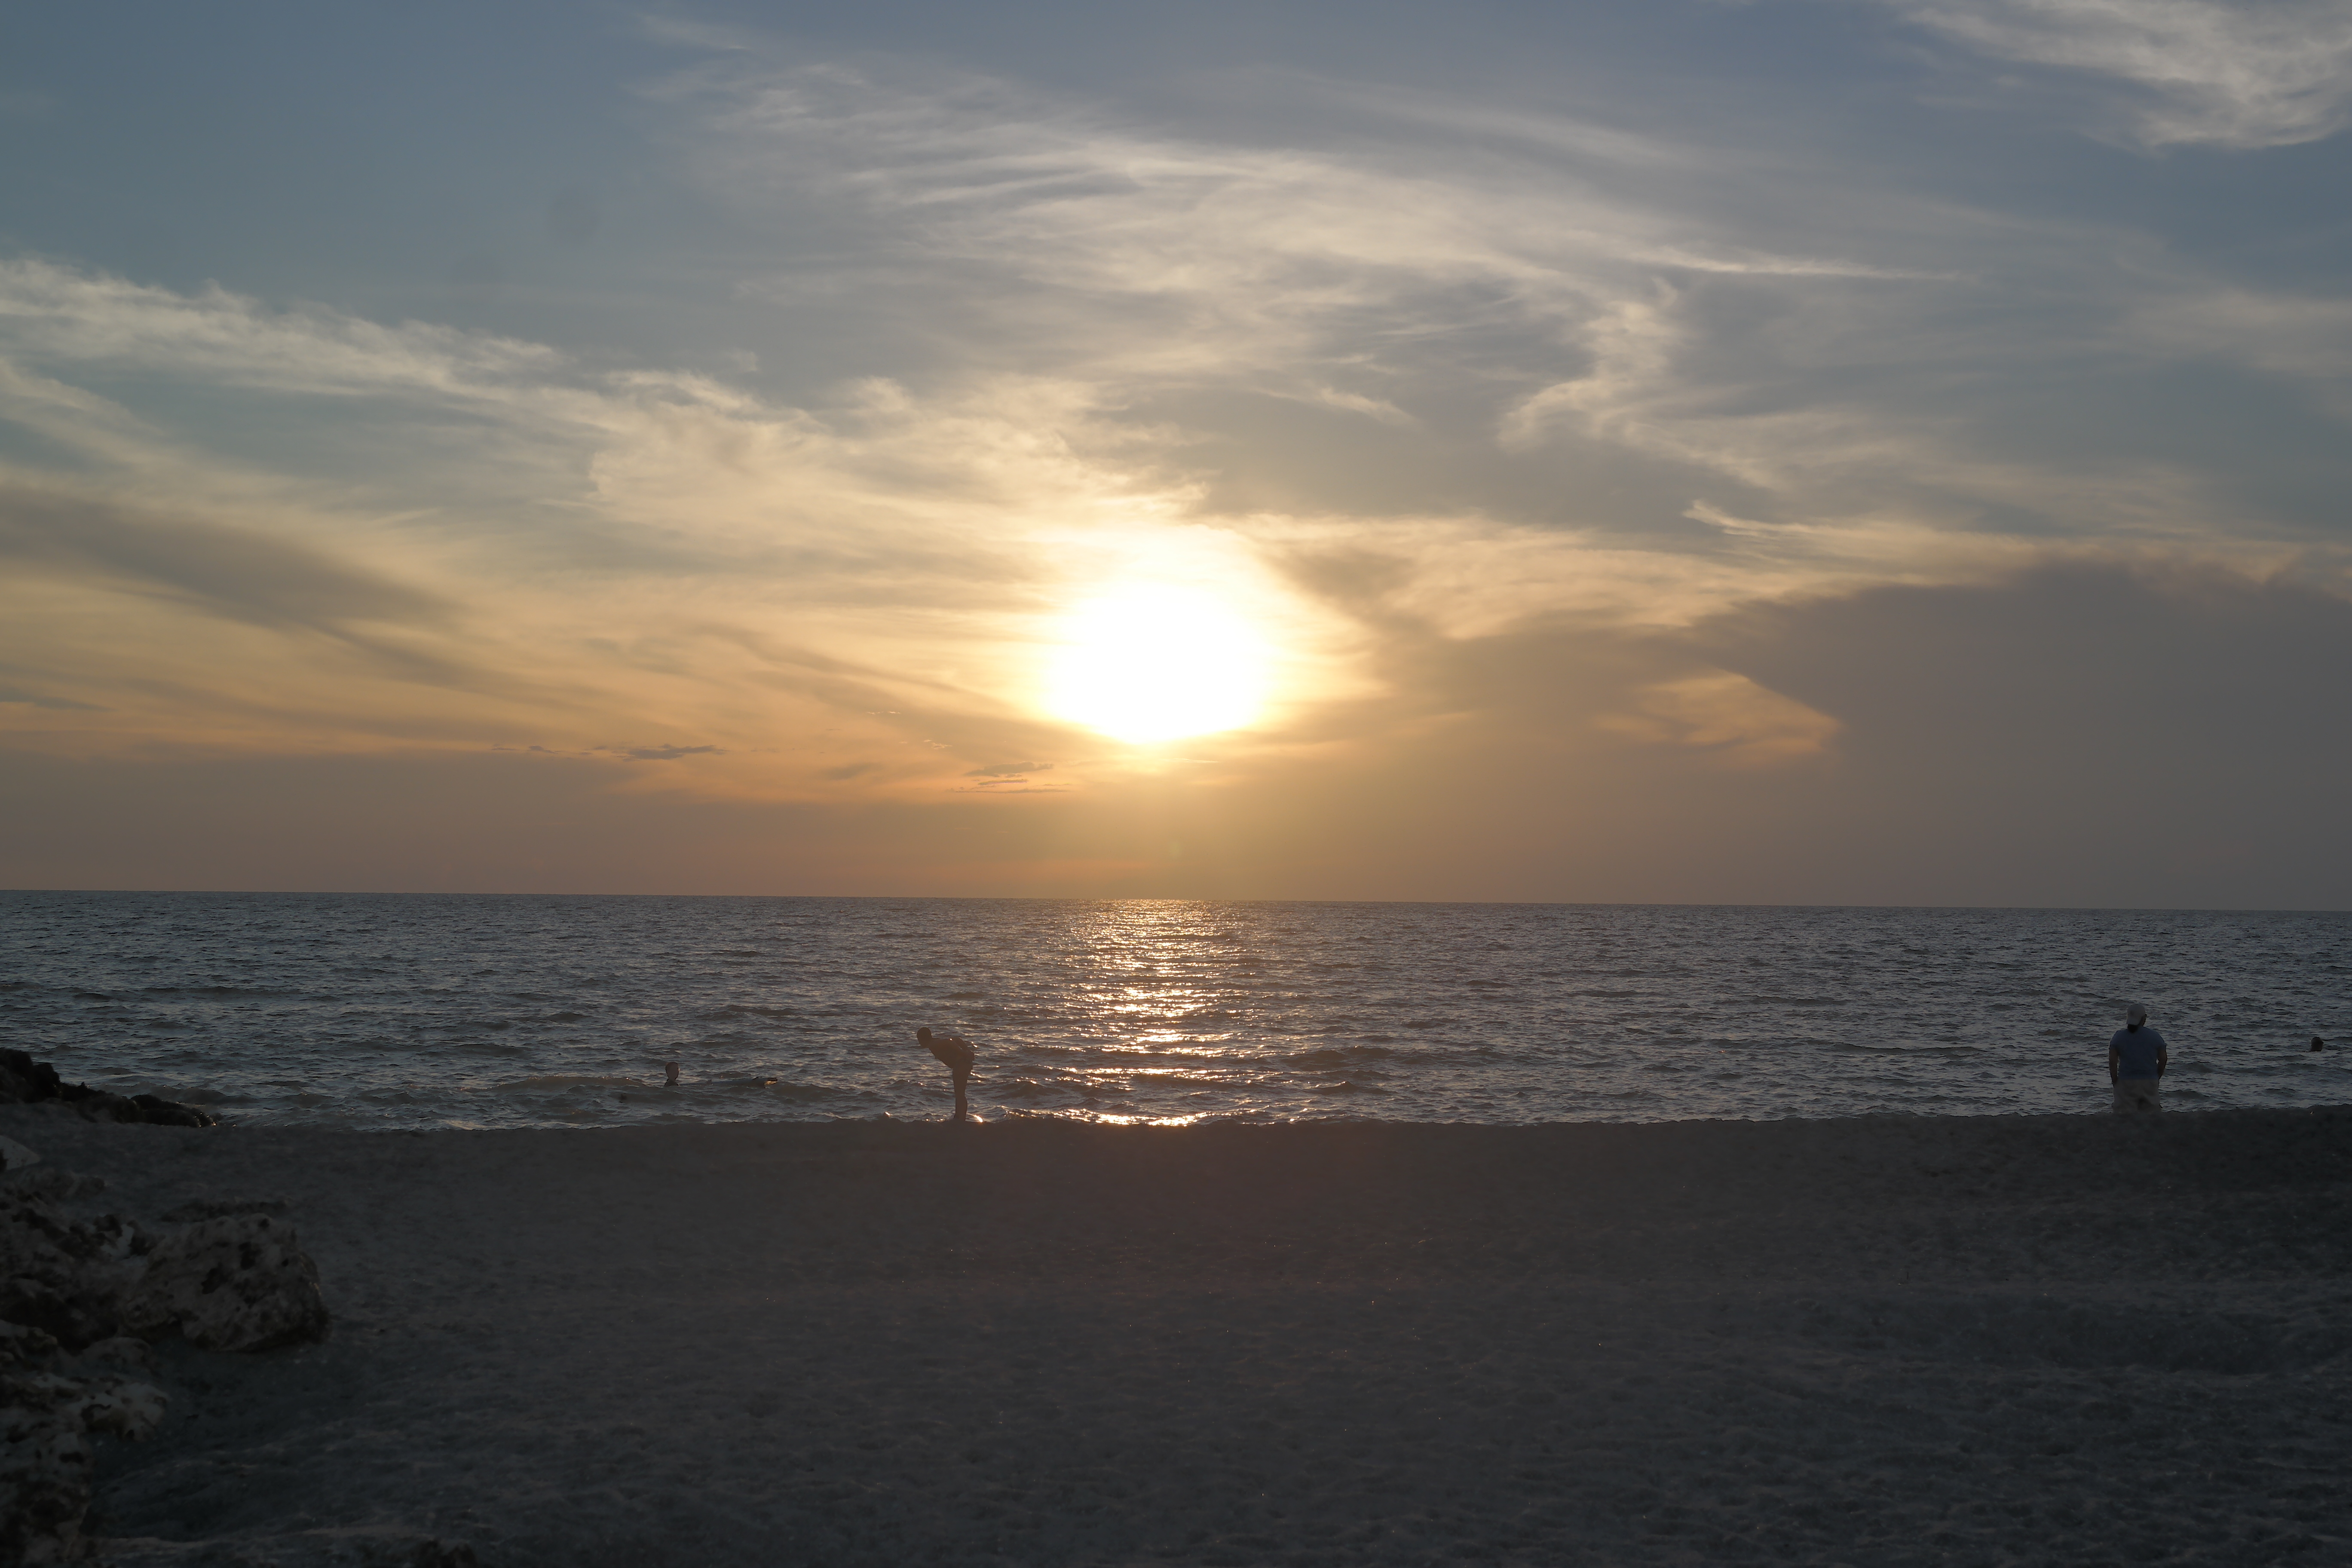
(2138, 1094)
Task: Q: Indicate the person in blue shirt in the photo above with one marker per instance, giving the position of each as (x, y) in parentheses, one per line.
(2136, 1062)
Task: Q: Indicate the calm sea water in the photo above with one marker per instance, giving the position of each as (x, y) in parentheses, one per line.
(415, 1011)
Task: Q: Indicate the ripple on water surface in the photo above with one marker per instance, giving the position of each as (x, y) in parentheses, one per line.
(519, 1010)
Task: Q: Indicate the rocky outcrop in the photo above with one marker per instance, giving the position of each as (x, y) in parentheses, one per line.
(24, 1081)
(238, 1281)
(49, 1406)
(80, 1299)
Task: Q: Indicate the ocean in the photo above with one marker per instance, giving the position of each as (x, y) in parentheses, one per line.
(418, 1011)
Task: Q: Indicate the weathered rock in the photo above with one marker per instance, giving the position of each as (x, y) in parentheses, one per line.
(45, 1420)
(24, 1081)
(44, 1486)
(123, 1351)
(73, 1320)
(236, 1280)
(22, 1345)
(238, 1283)
(50, 1182)
(66, 1277)
(14, 1156)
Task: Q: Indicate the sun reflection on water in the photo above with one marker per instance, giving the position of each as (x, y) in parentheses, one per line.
(1135, 1012)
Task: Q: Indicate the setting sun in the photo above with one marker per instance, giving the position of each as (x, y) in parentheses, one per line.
(1145, 664)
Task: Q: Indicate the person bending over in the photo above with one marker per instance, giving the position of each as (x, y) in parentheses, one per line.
(2136, 1062)
(958, 1055)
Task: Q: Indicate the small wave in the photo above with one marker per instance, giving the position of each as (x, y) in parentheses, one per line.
(207, 1097)
(1019, 1089)
(491, 1048)
(213, 991)
(782, 1087)
(747, 1009)
(568, 1080)
(1349, 1086)
(1332, 1057)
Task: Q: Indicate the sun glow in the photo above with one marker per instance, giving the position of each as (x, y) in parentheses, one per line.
(1151, 663)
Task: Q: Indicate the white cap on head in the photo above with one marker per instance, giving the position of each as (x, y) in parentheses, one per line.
(2135, 1014)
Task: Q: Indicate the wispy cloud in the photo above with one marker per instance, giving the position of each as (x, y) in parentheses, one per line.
(241, 574)
(1624, 478)
(1422, 406)
(2241, 74)
(1569, 295)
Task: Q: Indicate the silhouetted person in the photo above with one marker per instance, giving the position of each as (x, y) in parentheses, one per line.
(670, 1070)
(2317, 1044)
(2137, 1059)
(958, 1055)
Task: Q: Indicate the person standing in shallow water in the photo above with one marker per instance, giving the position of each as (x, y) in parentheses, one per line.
(2137, 1059)
(958, 1055)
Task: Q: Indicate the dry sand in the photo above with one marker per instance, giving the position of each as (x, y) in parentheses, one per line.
(1887, 1341)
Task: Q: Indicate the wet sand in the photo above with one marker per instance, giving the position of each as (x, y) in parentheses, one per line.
(1887, 1341)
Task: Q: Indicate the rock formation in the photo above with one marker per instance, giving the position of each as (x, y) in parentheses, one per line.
(81, 1296)
(24, 1081)
(49, 1407)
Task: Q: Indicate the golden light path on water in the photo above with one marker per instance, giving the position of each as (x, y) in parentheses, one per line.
(1137, 947)
(383, 1015)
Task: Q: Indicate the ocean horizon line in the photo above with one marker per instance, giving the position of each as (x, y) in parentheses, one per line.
(1198, 899)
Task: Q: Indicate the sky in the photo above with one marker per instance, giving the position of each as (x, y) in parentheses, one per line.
(1790, 451)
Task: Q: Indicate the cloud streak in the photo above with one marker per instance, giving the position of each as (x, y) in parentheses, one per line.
(1559, 456)
(2242, 75)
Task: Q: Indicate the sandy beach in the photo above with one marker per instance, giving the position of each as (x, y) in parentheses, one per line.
(1883, 1341)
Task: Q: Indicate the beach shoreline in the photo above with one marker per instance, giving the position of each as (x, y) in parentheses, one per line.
(1881, 1340)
